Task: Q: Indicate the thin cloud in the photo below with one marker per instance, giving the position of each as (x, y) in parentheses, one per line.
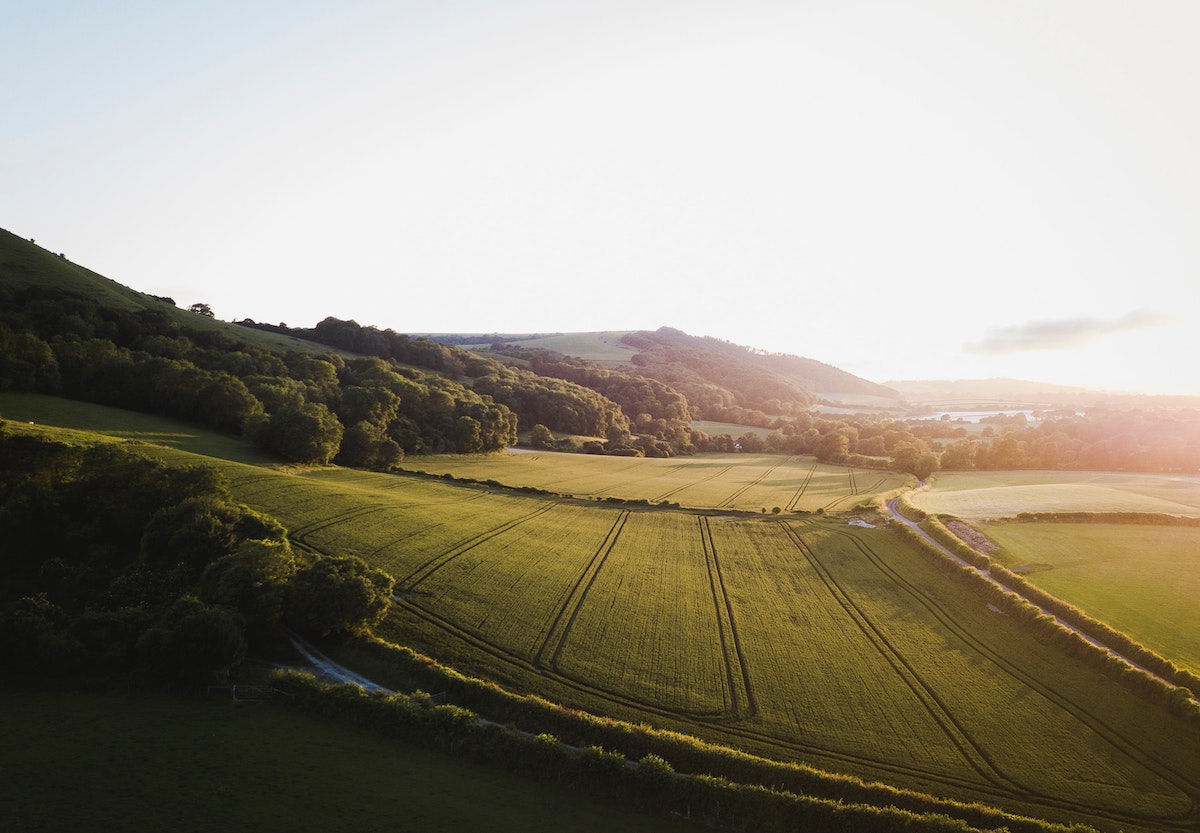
(1060, 335)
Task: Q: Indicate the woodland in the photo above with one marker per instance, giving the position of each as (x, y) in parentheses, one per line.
(376, 395)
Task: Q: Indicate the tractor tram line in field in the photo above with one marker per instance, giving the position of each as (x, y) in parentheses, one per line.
(795, 500)
(578, 593)
(729, 501)
(415, 577)
(1123, 744)
(672, 492)
(972, 752)
(730, 710)
(737, 682)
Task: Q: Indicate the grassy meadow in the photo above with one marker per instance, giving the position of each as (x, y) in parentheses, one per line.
(998, 494)
(797, 636)
(1140, 579)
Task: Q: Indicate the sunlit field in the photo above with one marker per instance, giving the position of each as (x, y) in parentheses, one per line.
(1141, 579)
(793, 635)
(744, 482)
(978, 495)
(805, 639)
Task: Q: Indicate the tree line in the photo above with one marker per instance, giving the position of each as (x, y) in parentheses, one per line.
(304, 407)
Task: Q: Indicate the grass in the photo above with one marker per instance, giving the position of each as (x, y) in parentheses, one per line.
(980, 495)
(24, 265)
(143, 762)
(1143, 580)
(56, 412)
(798, 637)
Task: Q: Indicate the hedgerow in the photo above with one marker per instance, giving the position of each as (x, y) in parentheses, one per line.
(650, 781)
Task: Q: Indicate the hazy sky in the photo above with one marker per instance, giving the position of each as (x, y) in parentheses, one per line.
(905, 190)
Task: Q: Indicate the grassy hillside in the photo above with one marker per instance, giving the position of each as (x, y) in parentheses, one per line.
(24, 264)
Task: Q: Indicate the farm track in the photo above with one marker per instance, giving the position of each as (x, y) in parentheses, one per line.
(1109, 734)
(434, 564)
(791, 504)
(739, 681)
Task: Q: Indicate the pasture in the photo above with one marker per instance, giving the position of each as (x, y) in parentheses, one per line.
(1140, 579)
(998, 494)
(737, 482)
(797, 636)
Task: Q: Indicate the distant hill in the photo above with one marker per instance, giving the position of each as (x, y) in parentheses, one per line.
(721, 380)
(26, 265)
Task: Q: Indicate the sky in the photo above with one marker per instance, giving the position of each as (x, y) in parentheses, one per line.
(906, 190)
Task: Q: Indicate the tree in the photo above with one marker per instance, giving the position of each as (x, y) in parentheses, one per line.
(252, 579)
(367, 445)
(541, 437)
(202, 309)
(307, 433)
(341, 595)
(194, 641)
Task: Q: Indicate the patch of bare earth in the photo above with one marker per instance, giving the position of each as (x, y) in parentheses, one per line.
(973, 538)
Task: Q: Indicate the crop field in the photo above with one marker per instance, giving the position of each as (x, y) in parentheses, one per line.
(979, 495)
(803, 638)
(745, 482)
(797, 636)
(1143, 580)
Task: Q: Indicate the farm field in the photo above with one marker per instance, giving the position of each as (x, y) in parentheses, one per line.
(996, 494)
(742, 482)
(804, 639)
(800, 637)
(1141, 579)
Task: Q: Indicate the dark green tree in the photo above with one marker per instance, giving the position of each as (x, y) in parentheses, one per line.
(307, 433)
(341, 595)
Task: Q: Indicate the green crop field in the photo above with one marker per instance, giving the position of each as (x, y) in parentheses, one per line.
(743, 482)
(797, 636)
(1141, 579)
(806, 639)
(979, 495)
